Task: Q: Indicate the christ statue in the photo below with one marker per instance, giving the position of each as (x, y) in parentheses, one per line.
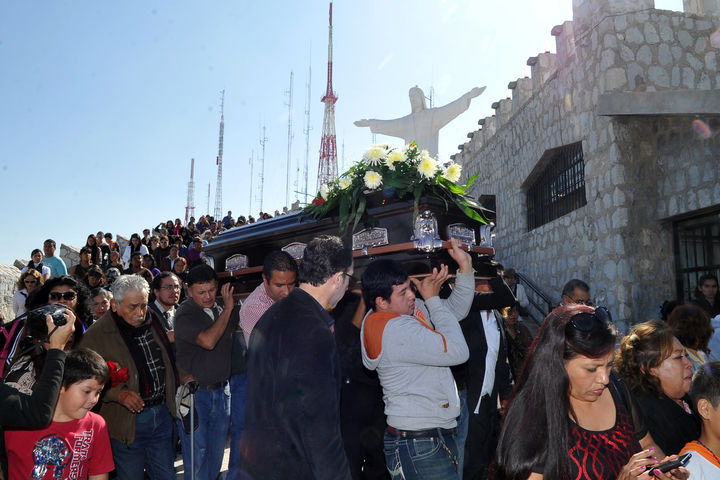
(423, 124)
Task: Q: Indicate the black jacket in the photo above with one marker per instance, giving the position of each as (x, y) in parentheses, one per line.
(292, 411)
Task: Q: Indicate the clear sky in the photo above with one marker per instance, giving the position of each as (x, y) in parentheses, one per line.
(103, 104)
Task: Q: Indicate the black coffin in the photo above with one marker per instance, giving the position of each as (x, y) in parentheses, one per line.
(258, 239)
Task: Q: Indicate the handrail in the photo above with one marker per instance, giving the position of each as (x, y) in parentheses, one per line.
(536, 290)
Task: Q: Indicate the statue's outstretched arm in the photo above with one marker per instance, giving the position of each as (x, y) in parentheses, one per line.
(443, 115)
(394, 128)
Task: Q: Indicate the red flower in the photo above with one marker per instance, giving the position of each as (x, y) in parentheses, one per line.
(117, 376)
(318, 200)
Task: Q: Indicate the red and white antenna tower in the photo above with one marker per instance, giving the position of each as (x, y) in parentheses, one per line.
(190, 207)
(218, 188)
(327, 167)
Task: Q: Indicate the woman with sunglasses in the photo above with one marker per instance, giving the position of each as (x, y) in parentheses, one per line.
(66, 291)
(656, 369)
(567, 419)
(29, 280)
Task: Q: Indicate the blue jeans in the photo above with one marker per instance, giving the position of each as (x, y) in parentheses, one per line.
(213, 407)
(238, 394)
(152, 449)
(427, 458)
(462, 430)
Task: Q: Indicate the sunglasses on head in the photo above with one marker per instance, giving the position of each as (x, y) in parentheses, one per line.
(70, 296)
(585, 322)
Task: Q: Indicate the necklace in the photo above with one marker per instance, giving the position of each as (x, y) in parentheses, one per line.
(717, 460)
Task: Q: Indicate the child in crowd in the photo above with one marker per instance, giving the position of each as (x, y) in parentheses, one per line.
(76, 444)
(705, 394)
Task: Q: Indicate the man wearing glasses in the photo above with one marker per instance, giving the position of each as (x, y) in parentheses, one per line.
(292, 425)
(576, 292)
(166, 288)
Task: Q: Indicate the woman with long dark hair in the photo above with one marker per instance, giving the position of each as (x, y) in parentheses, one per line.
(567, 419)
(96, 255)
(134, 246)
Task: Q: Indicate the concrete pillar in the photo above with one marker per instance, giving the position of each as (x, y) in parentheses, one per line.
(503, 111)
(589, 13)
(702, 7)
(541, 69)
(564, 43)
(521, 92)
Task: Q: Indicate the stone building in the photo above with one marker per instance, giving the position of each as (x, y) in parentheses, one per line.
(605, 163)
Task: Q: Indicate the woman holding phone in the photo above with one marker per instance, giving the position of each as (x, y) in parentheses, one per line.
(568, 419)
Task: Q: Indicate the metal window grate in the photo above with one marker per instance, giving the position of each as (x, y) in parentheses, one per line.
(559, 188)
(697, 251)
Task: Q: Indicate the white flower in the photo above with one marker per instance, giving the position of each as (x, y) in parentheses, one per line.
(396, 156)
(427, 166)
(372, 180)
(452, 172)
(375, 155)
(324, 191)
(345, 182)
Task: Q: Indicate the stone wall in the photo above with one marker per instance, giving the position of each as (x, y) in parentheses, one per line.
(9, 275)
(638, 170)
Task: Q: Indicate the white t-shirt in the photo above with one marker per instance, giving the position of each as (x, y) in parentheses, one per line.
(45, 270)
(701, 468)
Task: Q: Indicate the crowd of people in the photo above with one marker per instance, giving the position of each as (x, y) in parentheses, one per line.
(319, 374)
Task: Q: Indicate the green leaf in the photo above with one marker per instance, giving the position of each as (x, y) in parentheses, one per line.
(359, 212)
(469, 211)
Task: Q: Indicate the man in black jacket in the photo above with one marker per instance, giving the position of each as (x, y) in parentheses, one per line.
(479, 389)
(292, 412)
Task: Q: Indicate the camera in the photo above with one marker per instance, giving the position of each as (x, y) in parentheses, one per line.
(57, 312)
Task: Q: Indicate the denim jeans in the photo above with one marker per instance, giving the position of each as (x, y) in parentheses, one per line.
(238, 394)
(427, 458)
(462, 430)
(152, 450)
(213, 407)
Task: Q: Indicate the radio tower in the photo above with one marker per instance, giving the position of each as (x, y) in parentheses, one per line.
(190, 207)
(289, 142)
(306, 131)
(218, 187)
(327, 167)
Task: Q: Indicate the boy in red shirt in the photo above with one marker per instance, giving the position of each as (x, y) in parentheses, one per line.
(76, 444)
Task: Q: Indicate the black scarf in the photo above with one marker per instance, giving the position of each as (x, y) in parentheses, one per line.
(127, 332)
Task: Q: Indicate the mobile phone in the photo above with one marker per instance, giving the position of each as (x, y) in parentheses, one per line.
(670, 464)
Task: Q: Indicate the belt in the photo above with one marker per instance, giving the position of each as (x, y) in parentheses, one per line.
(430, 432)
(215, 386)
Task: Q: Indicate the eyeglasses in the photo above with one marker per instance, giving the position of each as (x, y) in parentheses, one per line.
(30, 282)
(170, 287)
(585, 322)
(350, 277)
(70, 296)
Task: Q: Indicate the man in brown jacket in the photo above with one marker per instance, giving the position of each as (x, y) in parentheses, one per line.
(139, 405)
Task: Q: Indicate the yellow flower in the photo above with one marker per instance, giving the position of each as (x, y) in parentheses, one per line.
(375, 155)
(396, 156)
(427, 166)
(324, 191)
(345, 182)
(452, 172)
(372, 180)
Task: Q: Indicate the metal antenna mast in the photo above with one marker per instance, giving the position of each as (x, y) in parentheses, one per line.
(190, 206)
(327, 167)
(208, 202)
(218, 187)
(289, 143)
(307, 129)
(263, 141)
(252, 164)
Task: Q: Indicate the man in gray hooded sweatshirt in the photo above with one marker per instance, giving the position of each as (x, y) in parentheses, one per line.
(412, 344)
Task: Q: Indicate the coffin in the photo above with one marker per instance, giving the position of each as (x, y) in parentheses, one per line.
(387, 231)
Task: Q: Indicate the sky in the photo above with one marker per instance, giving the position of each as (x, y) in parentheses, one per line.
(103, 104)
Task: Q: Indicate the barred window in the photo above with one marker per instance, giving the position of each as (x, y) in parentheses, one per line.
(556, 186)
